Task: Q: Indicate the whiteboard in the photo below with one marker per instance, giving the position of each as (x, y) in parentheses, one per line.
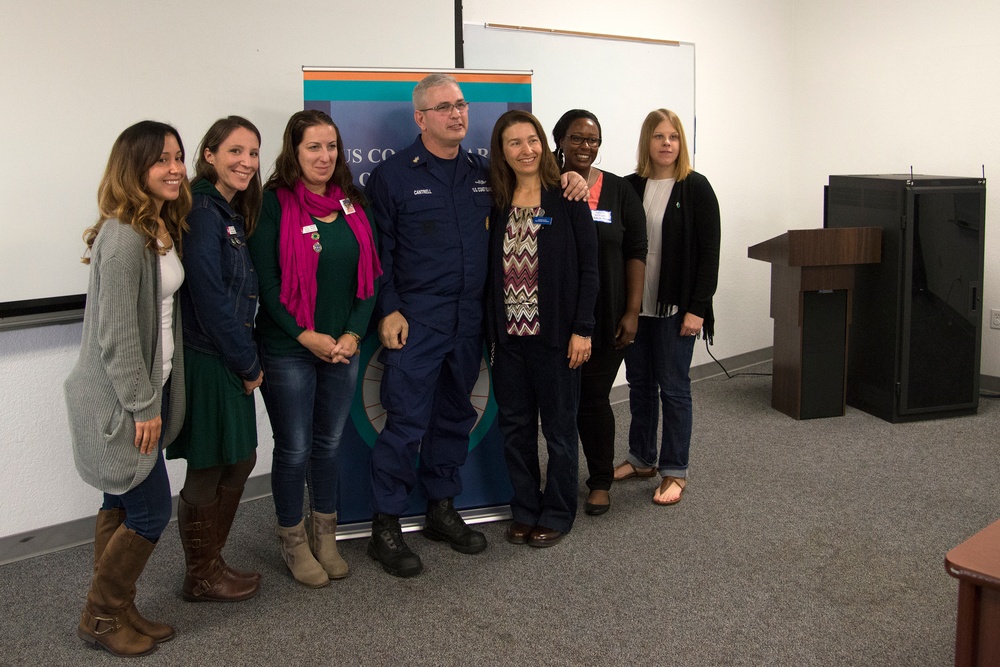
(78, 73)
(619, 80)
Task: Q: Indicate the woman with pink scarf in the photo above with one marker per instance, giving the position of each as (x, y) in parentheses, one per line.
(317, 264)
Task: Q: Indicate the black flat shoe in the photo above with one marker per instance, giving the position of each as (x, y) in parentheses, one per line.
(594, 509)
(597, 509)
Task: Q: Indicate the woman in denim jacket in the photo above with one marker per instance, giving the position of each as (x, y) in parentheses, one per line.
(218, 301)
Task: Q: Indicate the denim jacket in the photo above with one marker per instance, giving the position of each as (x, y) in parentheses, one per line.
(219, 295)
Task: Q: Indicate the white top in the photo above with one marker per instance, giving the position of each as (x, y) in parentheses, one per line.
(171, 277)
(654, 200)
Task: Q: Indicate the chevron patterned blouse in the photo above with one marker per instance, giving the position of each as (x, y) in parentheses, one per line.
(520, 271)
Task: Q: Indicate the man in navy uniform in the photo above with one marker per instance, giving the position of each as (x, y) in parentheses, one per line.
(431, 202)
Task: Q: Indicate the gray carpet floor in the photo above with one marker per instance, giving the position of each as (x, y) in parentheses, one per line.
(815, 542)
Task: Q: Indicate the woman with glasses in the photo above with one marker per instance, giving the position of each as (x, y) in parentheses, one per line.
(541, 289)
(314, 251)
(682, 271)
(621, 236)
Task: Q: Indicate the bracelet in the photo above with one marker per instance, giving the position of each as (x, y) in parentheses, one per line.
(356, 337)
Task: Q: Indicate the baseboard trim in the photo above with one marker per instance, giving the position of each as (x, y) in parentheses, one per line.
(989, 383)
(734, 364)
(81, 531)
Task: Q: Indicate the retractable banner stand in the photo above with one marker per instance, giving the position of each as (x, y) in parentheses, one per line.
(374, 111)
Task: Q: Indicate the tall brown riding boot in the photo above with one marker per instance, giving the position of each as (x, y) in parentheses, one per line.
(104, 622)
(107, 523)
(229, 502)
(323, 542)
(206, 579)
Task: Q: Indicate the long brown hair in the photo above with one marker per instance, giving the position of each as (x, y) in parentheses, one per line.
(287, 171)
(644, 165)
(123, 194)
(245, 202)
(502, 178)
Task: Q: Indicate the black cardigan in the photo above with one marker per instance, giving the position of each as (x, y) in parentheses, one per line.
(619, 241)
(567, 271)
(689, 272)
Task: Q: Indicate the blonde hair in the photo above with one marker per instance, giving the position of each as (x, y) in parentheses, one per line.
(123, 194)
(644, 166)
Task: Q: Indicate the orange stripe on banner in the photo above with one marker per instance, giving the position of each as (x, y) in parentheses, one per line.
(413, 76)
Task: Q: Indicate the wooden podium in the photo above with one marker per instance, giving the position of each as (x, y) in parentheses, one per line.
(976, 565)
(812, 276)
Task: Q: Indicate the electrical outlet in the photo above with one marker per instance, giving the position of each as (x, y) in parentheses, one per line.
(995, 319)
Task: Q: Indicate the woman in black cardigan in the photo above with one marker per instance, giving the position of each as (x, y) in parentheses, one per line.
(621, 237)
(541, 289)
(682, 271)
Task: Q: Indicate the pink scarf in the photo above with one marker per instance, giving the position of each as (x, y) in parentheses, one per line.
(298, 260)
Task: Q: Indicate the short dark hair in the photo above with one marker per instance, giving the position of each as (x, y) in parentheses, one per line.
(562, 126)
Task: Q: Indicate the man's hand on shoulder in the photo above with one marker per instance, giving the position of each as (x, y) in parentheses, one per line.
(392, 330)
(574, 186)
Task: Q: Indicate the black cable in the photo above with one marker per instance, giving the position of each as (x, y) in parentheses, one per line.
(730, 377)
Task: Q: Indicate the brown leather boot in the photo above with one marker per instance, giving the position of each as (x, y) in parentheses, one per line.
(299, 558)
(103, 622)
(206, 580)
(323, 542)
(107, 523)
(229, 502)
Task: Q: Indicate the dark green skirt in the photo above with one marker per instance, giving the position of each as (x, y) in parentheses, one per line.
(220, 425)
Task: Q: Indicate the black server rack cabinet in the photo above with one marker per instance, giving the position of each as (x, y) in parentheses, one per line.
(916, 318)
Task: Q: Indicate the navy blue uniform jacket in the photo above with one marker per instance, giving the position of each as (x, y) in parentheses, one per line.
(433, 237)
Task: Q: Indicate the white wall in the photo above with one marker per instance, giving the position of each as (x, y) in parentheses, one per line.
(743, 81)
(880, 86)
(788, 92)
(89, 70)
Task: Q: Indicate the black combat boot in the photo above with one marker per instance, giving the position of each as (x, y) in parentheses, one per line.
(389, 549)
(445, 524)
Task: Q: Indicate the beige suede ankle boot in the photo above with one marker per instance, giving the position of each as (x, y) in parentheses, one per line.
(298, 557)
(323, 542)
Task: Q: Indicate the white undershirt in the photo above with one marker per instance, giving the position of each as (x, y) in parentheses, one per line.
(654, 200)
(171, 277)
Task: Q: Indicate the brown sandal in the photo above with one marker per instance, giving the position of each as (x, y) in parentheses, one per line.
(626, 470)
(665, 484)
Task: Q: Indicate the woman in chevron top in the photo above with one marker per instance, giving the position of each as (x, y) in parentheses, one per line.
(541, 292)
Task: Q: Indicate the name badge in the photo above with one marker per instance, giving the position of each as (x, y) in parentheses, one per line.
(540, 220)
(347, 205)
(309, 229)
(232, 230)
(602, 216)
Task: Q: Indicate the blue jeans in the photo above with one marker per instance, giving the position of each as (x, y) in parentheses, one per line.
(532, 380)
(148, 505)
(657, 367)
(308, 401)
